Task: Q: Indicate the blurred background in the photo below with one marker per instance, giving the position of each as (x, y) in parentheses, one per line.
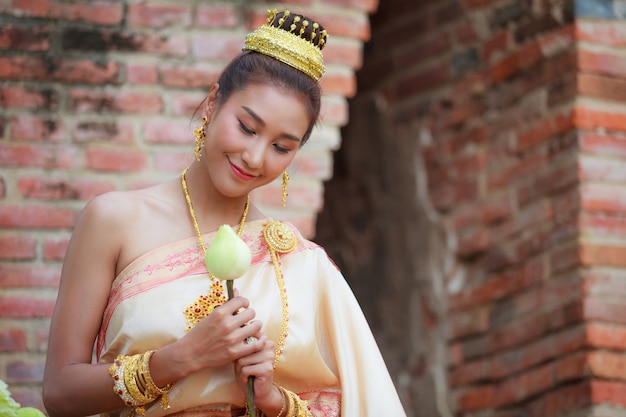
(468, 176)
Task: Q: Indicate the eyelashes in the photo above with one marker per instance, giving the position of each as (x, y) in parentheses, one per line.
(281, 149)
(246, 130)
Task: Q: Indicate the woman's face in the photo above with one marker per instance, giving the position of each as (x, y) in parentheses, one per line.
(252, 137)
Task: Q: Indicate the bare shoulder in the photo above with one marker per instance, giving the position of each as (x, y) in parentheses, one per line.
(116, 208)
(110, 210)
(109, 205)
(138, 221)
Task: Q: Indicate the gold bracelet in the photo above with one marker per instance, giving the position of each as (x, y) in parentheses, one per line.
(130, 379)
(116, 370)
(291, 408)
(297, 412)
(130, 384)
(141, 381)
(283, 400)
(301, 407)
(292, 405)
(151, 387)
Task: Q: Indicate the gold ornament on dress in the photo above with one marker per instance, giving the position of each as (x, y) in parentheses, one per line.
(280, 239)
(205, 304)
(287, 46)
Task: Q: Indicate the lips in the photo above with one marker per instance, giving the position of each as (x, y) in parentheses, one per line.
(241, 174)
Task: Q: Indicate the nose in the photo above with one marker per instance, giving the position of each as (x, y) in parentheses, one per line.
(253, 155)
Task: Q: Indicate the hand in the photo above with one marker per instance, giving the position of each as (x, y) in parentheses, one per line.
(218, 339)
(259, 364)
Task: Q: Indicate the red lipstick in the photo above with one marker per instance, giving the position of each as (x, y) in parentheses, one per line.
(241, 174)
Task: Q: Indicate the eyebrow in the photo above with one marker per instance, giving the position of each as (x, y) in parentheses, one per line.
(262, 123)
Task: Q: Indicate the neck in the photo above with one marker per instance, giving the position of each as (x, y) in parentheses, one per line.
(212, 209)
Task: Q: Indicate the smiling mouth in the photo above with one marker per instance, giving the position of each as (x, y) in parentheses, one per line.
(241, 174)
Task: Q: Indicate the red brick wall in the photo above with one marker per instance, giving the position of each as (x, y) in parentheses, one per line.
(546, 335)
(600, 118)
(512, 117)
(98, 96)
(510, 114)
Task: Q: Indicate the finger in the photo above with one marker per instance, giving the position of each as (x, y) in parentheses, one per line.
(250, 340)
(262, 370)
(236, 303)
(254, 357)
(234, 315)
(244, 317)
(232, 307)
(257, 340)
(250, 329)
(259, 352)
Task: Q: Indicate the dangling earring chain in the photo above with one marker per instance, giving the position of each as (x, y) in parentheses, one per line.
(284, 187)
(205, 304)
(200, 137)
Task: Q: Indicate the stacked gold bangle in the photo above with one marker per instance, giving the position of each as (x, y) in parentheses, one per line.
(293, 405)
(133, 383)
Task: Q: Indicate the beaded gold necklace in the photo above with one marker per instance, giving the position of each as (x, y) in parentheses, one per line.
(205, 304)
(279, 238)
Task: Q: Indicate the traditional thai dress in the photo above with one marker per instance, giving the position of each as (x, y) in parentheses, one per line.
(330, 357)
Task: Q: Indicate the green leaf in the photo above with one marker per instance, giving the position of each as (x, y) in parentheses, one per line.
(8, 406)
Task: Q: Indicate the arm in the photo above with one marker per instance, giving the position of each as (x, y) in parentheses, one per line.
(73, 386)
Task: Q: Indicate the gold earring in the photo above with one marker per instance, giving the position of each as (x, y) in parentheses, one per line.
(285, 182)
(199, 135)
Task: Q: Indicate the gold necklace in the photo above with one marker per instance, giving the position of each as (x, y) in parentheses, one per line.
(205, 304)
(279, 238)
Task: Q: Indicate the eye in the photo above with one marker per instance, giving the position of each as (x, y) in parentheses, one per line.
(281, 149)
(246, 129)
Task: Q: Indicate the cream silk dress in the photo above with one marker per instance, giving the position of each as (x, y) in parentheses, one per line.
(330, 356)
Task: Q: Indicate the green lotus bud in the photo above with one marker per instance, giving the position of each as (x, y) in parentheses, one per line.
(228, 257)
(29, 412)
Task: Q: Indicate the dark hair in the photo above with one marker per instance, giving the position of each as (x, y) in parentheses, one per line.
(255, 68)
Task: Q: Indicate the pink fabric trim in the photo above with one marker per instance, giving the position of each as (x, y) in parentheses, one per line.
(179, 265)
(179, 260)
(208, 412)
(323, 403)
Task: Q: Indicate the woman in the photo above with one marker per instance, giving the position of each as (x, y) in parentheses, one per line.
(135, 285)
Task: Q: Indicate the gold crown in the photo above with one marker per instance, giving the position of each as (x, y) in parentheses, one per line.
(288, 47)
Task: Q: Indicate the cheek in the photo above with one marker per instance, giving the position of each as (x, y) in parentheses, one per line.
(282, 163)
(274, 164)
(223, 137)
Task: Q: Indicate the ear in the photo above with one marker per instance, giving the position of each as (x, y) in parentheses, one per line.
(211, 101)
